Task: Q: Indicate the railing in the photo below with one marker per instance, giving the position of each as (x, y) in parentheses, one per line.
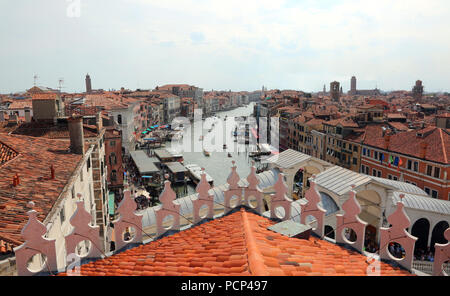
(427, 266)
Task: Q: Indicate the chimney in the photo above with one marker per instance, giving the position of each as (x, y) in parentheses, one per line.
(52, 172)
(27, 114)
(423, 149)
(387, 140)
(99, 121)
(76, 134)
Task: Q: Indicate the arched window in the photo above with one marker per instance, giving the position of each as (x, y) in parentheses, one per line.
(112, 158)
(328, 203)
(119, 119)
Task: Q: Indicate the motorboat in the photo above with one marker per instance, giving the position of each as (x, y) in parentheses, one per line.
(206, 153)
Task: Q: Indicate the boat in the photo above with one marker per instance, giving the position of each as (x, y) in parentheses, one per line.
(229, 154)
(206, 153)
(224, 146)
(195, 172)
(210, 130)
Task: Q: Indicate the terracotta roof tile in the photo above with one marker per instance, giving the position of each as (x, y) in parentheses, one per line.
(208, 250)
(32, 162)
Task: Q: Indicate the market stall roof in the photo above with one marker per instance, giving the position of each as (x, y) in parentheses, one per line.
(288, 158)
(163, 154)
(176, 167)
(144, 163)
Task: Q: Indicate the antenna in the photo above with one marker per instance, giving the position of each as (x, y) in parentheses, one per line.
(35, 77)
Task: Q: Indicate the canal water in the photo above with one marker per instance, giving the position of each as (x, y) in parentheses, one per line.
(218, 164)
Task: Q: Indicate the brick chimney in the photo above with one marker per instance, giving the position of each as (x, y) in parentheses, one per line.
(387, 140)
(99, 121)
(27, 114)
(423, 149)
(76, 134)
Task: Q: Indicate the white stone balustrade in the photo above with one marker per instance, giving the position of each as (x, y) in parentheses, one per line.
(441, 256)
(233, 190)
(203, 199)
(253, 191)
(35, 243)
(83, 231)
(168, 208)
(397, 234)
(128, 219)
(312, 208)
(280, 199)
(351, 220)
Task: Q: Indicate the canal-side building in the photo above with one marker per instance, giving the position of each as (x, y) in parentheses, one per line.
(418, 157)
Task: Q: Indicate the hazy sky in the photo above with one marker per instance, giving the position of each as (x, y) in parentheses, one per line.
(225, 44)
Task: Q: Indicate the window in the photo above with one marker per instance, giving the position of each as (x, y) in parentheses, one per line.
(379, 174)
(429, 170)
(355, 160)
(113, 158)
(437, 172)
(394, 178)
(434, 194)
(112, 143)
(89, 163)
(81, 174)
(355, 148)
(62, 216)
(375, 154)
(390, 177)
(367, 170)
(416, 166)
(409, 164)
(427, 190)
(119, 119)
(374, 172)
(113, 176)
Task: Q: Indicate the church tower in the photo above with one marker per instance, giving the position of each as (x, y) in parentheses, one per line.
(88, 84)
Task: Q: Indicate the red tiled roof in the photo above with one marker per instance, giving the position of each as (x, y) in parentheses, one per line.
(21, 104)
(32, 164)
(45, 96)
(408, 143)
(238, 244)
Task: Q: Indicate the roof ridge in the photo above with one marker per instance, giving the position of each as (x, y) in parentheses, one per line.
(255, 258)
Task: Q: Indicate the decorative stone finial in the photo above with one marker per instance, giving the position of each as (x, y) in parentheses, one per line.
(128, 218)
(313, 208)
(35, 243)
(168, 208)
(82, 230)
(166, 176)
(351, 220)
(397, 233)
(280, 199)
(441, 255)
(203, 199)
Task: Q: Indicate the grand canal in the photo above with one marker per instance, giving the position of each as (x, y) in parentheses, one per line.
(218, 164)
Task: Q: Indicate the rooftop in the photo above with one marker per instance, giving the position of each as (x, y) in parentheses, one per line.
(31, 160)
(237, 244)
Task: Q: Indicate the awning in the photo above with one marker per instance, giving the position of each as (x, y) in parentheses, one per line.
(143, 163)
(111, 203)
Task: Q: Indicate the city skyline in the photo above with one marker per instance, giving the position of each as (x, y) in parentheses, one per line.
(299, 45)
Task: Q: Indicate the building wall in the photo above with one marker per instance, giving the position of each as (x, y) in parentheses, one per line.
(113, 144)
(420, 178)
